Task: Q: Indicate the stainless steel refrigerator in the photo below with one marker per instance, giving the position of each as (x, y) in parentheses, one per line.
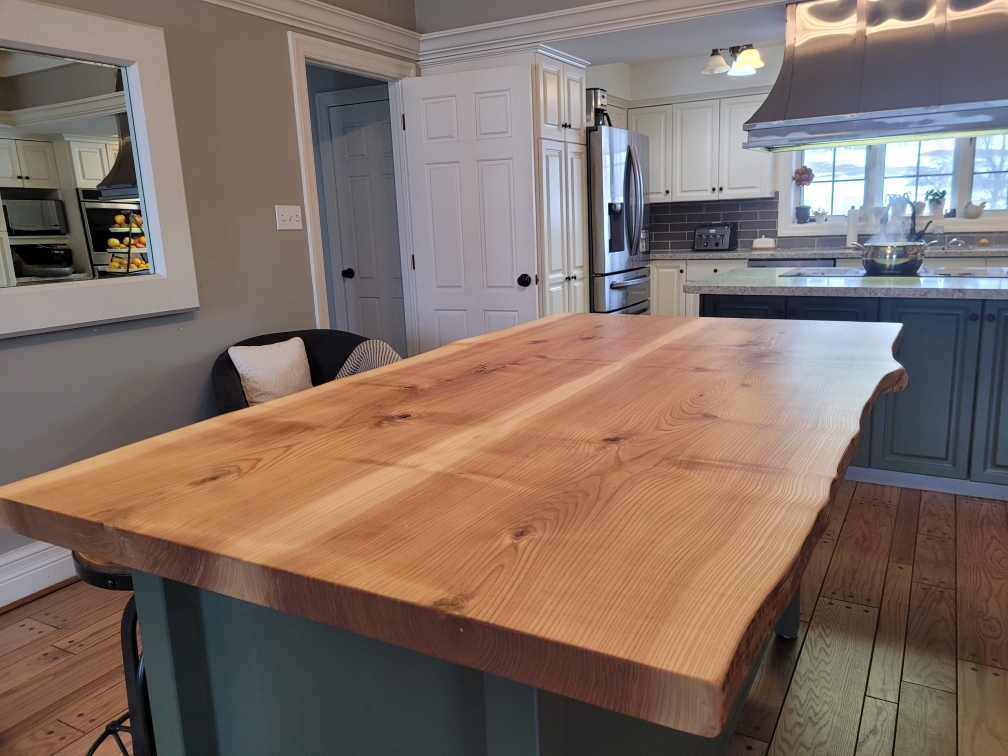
(618, 211)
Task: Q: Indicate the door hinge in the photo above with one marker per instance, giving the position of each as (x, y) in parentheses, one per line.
(537, 279)
(413, 261)
(404, 122)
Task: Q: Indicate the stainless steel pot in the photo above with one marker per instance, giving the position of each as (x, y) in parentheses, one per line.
(894, 258)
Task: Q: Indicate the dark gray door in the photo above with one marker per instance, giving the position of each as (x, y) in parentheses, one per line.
(863, 309)
(989, 463)
(926, 429)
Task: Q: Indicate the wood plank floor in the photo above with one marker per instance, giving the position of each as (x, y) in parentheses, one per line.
(902, 649)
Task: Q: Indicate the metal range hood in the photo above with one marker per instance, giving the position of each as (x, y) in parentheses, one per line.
(121, 180)
(877, 70)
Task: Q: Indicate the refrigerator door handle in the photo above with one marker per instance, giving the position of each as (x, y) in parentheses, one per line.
(635, 219)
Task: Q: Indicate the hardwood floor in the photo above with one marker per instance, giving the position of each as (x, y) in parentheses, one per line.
(61, 676)
(902, 649)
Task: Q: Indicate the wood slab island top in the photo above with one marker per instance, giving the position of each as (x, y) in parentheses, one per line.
(613, 508)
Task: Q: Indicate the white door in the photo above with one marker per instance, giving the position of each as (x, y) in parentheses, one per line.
(470, 159)
(742, 173)
(695, 150)
(574, 103)
(363, 232)
(656, 124)
(576, 178)
(551, 98)
(90, 163)
(10, 166)
(551, 224)
(667, 279)
(38, 165)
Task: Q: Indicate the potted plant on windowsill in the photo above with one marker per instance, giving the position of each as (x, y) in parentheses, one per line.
(802, 177)
(935, 201)
(820, 215)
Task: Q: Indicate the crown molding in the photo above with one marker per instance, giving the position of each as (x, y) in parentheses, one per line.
(332, 22)
(43, 115)
(518, 34)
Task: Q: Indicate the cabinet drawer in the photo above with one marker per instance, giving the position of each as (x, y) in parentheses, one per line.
(698, 269)
(732, 306)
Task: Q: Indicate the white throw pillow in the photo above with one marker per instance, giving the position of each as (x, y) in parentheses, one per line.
(271, 371)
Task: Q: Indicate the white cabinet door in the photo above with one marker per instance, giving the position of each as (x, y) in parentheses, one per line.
(656, 124)
(618, 117)
(574, 103)
(551, 98)
(38, 165)
(742, 173)
(112, 151)
(90, 161)
(667, 277)
(695, 150)
(552, 201)
(700, 269)
(577, 226)
(10, 166)
(471, 193)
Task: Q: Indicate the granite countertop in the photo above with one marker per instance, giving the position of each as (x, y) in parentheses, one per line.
(771, 281)
(820, 253)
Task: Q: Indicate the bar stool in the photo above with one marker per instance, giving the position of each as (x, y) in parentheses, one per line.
(113, 577)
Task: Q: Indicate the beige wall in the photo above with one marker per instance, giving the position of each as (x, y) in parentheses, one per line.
(73, 394)
(396, 12)
(76, 81)
(438, 15)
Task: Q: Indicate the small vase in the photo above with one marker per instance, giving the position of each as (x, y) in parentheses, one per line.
(936, 208)
(801, 213)
(820, 219)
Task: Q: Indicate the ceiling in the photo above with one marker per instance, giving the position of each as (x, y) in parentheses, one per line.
(15, 62)
(694, 36)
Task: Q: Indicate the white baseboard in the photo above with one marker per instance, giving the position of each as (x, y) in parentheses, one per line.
(927, 483)
(32, 568)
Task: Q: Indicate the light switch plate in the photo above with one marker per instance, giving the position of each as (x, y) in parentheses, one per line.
(288, 217)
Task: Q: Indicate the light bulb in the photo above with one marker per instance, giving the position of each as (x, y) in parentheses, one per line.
(749, 57)
(715, 64)
(741, 70)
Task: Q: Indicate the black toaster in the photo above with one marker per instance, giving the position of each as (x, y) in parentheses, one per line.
(716, 236)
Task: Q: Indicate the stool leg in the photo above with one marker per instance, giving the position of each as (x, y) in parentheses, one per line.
(141, 727)
(787, 625)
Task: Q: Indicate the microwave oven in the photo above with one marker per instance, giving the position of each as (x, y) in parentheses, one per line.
(34, 217)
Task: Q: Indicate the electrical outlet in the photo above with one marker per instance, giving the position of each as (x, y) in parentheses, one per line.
(288, 217)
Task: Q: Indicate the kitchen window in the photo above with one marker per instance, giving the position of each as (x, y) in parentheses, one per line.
(839, 181)
(990, 171)
(915, 168)
(95, 226)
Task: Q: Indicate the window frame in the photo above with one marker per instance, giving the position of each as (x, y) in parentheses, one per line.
(836, 225)
(171, 287)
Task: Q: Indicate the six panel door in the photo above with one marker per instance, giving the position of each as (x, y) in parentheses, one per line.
(926, 428)
(471, 192)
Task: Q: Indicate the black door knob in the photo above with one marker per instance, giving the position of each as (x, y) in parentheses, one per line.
(524, 280)
(348, 272)
(974, 316)
(990, 317)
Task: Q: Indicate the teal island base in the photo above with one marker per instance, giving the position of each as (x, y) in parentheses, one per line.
(231, 678)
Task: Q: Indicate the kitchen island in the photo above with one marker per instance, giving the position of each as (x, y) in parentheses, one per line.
(569, 537)
(951, 424)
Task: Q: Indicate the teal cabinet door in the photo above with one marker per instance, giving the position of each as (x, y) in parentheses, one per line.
(742, 306)
(989, 463)
(926, 429)
(863, 309)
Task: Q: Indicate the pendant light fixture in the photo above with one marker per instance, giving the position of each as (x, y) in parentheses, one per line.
(745, 60)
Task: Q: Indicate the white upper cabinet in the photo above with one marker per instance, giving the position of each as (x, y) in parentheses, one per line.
(10, 167)
(742, 173)
(90, 161)
(656, 124)
(561, 100)
(695, 150)
(31, 165)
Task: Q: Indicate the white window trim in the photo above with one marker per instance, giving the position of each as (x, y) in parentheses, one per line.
(172, 286)
(836, 225)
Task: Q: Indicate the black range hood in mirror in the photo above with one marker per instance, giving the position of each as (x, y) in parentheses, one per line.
(121, 180)
(878, 70)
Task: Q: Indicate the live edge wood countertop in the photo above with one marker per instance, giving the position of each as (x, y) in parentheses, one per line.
(613, 508)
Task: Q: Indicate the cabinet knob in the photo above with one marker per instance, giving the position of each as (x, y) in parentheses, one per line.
(27, 178)
(347, 273)
(715, 270)
(974, 317)
(20, 177)
(574, 278)
(778, 311)
(524, 280)
(567, 278)
(792, 312)
(720, 188)
(666, 191)
(990, 317)
(713, 188)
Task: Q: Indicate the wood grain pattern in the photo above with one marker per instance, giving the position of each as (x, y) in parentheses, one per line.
(890, 637)
(769, 686)
(930, 657)
(926, 723)
(813, 577)
(96, 710)
(982, 580)
(611, 508)
(857, 570)
(935, 561)
(822, 710)
(878, 728)
(740, 745)
(46, 740)
(905, 530)
(937, 514)
(21, 633)
(983, 710)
